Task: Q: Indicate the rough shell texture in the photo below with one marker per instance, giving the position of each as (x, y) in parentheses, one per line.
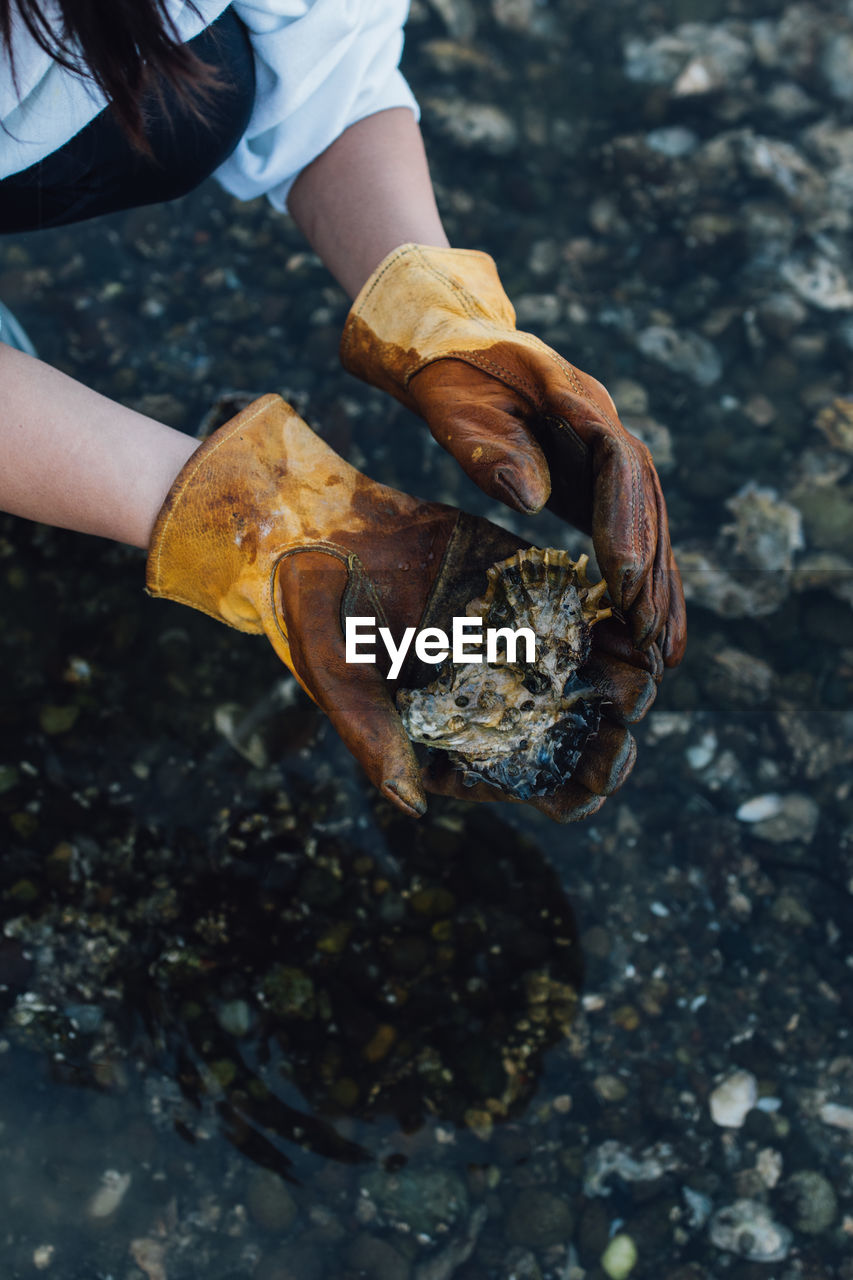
(518, 725)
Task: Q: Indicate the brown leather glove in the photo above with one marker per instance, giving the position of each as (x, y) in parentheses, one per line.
(435, 329)
(269, 530)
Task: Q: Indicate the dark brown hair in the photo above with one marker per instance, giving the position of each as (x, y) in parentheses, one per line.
(129, 48)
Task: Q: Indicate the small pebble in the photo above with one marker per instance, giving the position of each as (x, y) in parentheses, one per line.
(43, 1256)
(839, 1117)
(620, 1257)
(747, 1228)
(269, 1202)
(781, 819)
(539, 1218)
(733, 1099)
(109, 1196)
(813, 1202)
(149, 1255)
(235, 1017)
(702, 753)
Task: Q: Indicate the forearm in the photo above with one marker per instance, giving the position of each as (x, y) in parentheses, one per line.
(71, 457)
(367, 193)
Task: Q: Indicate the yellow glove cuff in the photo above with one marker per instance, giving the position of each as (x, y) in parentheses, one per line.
(422, 304)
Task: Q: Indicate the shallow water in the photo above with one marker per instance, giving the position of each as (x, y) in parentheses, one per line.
(323, 1041)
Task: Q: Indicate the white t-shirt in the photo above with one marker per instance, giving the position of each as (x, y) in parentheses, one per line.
(320, 65)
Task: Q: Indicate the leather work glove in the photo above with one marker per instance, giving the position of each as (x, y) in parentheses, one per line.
(269, 530)
(435, 329)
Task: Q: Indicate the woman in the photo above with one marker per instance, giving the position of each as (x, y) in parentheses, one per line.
(127, 102)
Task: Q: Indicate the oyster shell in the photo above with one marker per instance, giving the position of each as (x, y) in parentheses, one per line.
(520, 726)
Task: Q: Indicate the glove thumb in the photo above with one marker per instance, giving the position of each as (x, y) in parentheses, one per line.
(313, 589)
(480, 421)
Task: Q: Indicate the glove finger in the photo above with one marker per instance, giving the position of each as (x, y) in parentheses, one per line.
(607, 759)
(626, 499)
(626, 691)
(481, 422)
(570, 803)
(613, 639)
(356, 697)
(674, 639)
(669, 594)
(625, 535)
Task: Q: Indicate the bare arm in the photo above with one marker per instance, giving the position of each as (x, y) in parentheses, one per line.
(73, 458)
(367, 193)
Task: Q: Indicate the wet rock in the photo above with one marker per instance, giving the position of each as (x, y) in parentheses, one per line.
(791, 912)
(812, 1200)
(780, 314)
(515, 15)
(838, 1116)
(695, 58)
(534, 310)
(149, 1255)
(836, 423)
(655, 436)
(539, 1218)
(520, 1264)
(289, 992)
(673, 140)
(55, 720)
(476, 125)
(835, 63)
(818, 280)
(781, 818)
(706, 583)
(629, 396)
(782, 165)
(747, 1228)
(739, 678)
(733, 1098)
(789, 100)
(681, 352)
(235, 1017)
(610, 1088)
(828, 516)
(612, 1158)
(376, 1259)
(114, 1187)
(454, 1254)
(43, 1256)
(812, 738)
(620, 1257)
(458, 16)
(230, 720)
(425, 1201)
(767, 531)
(87, 1018)
(269, 1202)
(9, 778)
(699, 1206)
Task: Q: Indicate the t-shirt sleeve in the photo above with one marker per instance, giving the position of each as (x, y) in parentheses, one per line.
(320, 65)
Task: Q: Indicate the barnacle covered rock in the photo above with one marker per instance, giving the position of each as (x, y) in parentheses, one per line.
(519, 725)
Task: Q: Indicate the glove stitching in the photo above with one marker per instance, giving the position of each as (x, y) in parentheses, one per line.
(515, 379)
(573, 377)
(471, 305)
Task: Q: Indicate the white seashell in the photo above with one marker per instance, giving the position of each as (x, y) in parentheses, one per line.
(759, 808)
(109, 1196)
